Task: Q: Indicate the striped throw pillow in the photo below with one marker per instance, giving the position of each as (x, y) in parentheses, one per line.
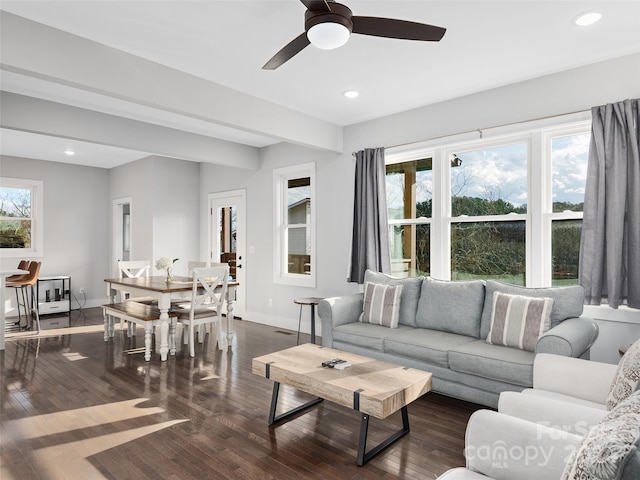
(381, 304)
(518, 321)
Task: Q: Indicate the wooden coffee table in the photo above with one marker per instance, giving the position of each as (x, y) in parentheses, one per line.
(371, 387)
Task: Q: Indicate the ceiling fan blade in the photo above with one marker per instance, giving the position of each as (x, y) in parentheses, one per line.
(402, 29)
(316, 5)
(294, 47)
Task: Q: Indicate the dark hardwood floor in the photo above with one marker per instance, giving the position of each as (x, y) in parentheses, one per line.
(75, 407)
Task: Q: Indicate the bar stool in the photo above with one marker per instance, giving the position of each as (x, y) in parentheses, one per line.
(25, 284)
(312, 302)
(22, 265)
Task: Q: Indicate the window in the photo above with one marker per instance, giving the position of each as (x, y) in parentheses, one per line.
(488, 191)
(295, 222)
(569, 158)
(20, 217)
(507, 206)
(409, 198)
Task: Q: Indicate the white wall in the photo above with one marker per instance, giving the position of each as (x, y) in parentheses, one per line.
(176, 213)
(165, 208)
(135, 181)
(557, 94)
(76, 223)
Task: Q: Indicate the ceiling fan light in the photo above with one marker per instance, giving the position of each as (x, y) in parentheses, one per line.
(328, 35)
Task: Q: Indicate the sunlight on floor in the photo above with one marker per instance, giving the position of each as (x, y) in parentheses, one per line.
(69, 460)
(55, 332)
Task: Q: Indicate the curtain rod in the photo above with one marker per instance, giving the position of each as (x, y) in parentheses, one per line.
(481, 130)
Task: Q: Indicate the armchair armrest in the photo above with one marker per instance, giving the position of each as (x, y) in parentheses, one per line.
(337, 311)
(505, 447)
(571, 338)
(566, 416)
(575, 377)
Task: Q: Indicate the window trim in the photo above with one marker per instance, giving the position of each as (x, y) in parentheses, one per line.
(539, 217)
(280, 178)
(37, 218)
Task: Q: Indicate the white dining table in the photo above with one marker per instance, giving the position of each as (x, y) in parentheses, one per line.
(158, 288)
(3, 277)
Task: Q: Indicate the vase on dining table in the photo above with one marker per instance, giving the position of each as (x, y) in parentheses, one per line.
(169, 276)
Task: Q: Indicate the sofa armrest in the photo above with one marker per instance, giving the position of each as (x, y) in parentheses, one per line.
(505, 447)
(575, 377)
(337, 311)
(571, 338)
(570, 417)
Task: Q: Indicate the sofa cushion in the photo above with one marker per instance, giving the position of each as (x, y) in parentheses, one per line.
(381, 304)
(448, 306)
(611, 449)
(504, 364)
(364, 334)
(411, 288)
(567, 301)
(518, 321)
(627, 379)
(425, 345)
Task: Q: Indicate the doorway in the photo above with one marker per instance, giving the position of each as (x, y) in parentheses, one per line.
(227, 239)
(121, 227)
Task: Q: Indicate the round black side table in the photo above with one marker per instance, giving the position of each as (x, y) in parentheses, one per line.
(312, 302)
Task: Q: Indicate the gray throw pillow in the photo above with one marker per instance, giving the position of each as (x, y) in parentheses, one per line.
(567, 301)
(451, 306)
(518, 321)
(411, 288)
(381, 304)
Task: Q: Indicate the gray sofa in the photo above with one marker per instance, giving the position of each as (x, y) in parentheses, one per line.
(442, 329)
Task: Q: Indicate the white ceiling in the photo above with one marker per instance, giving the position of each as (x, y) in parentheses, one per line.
(488, 44)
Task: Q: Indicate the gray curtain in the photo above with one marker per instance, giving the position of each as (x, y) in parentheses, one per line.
(610, 246)
(370, 239)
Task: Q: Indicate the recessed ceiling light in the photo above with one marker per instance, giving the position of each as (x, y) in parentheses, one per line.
(351, 94)
(588, 19)
(69, 152)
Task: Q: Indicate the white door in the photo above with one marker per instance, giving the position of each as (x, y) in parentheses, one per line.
(121, 232)
(227, 239)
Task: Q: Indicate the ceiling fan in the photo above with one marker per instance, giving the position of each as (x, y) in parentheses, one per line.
(329, 24)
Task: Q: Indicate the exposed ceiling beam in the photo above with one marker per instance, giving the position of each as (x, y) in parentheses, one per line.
(33, 49)
(28, 114)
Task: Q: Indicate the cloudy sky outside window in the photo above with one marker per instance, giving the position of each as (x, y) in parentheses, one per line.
(501, 173)
(492, 174)
(569, 158)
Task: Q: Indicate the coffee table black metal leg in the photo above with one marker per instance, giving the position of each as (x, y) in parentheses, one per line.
(363, 455)
(273, 418)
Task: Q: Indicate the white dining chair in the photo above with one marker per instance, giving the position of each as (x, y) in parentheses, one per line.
(183, 299)
(133, 269)
(191, 264)
(207, 297)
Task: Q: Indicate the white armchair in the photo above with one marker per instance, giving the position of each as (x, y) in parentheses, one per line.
(572, 380)
(503, 447)
(574, 394)
(582, 414)
(568, 393)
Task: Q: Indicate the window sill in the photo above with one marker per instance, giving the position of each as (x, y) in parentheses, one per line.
(622, 314)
